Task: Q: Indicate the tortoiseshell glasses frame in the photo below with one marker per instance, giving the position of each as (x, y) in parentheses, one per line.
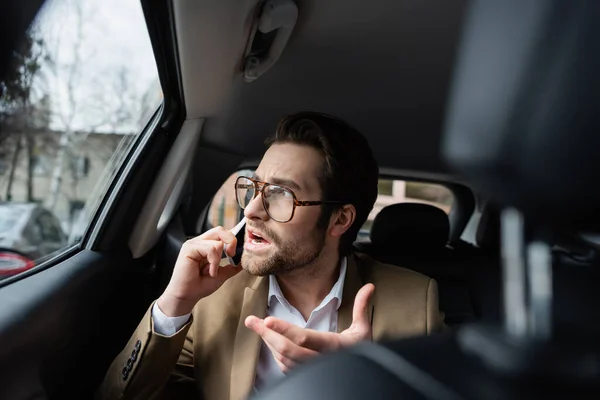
(260, 186)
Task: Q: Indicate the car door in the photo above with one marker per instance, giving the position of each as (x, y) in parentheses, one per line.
(63, 321)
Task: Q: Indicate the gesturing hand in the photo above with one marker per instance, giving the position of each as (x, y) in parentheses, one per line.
(291, 344)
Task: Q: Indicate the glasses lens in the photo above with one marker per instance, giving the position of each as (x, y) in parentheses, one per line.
(279, 202)
(244, 191)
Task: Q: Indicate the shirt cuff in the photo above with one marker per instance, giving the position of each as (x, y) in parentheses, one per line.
(167, 326)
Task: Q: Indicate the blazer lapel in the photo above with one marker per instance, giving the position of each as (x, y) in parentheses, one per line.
(247, 343)
(352, 285)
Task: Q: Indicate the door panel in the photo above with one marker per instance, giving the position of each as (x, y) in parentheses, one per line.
(168, 250)
(61, 327)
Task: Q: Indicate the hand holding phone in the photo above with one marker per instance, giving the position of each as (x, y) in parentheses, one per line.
(198, 271)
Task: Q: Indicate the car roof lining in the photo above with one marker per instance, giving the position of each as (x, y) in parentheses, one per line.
(384, 66)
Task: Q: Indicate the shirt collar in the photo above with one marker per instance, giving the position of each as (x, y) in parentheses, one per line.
(336, 291)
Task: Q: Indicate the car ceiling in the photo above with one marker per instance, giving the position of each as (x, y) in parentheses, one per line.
(384, 66)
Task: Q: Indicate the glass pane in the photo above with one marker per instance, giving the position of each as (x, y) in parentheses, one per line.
(280, 202)
(244, 191)
(82, 86)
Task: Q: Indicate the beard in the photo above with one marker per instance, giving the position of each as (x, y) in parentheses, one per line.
(288, 255)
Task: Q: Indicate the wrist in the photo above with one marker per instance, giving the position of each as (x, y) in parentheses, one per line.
(173, 307)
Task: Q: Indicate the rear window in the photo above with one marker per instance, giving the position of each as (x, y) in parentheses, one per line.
(399, 191)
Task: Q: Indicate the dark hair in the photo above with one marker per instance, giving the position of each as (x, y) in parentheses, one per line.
(350, 172)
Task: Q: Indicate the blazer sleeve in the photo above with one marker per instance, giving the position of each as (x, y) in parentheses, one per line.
(152, 366)
(435, 318)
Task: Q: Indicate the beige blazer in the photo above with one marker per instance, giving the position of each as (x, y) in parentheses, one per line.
(214, 356)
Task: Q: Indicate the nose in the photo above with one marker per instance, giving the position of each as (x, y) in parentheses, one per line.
(255, 209)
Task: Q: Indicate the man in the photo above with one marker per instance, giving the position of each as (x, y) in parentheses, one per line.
(220, 332)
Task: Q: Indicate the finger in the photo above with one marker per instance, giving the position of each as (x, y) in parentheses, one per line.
(206, 252)
(360, 311)
(307, 338)
(301, 337)
(282, 366)
(214, 258)
(278, 342)
(284, 363)
(203, 253)
(225, 237)
(213, 251)
(218, 233)
(230, 248)
(197, 249)
(224, 241)
(256, 324)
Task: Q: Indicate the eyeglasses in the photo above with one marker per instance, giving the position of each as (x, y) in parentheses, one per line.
(279, 202)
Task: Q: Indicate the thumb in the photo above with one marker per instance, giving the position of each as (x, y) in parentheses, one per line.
(360, 312)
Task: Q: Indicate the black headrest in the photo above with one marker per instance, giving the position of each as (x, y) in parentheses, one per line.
(523, 117)
(411, 225)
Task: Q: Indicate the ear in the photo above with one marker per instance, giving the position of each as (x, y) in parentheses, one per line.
(342, 220)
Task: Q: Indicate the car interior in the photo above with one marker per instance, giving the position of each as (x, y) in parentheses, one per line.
(447, 93)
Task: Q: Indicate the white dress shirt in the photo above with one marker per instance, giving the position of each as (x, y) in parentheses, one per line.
(324, 318)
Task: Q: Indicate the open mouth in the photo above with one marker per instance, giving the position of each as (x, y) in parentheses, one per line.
(257, 238)
(255, 241)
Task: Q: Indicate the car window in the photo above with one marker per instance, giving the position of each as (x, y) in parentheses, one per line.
(400, 191)
(81, 87)
(224, 210)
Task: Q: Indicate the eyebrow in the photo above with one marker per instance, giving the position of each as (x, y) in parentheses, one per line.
(281, 181)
